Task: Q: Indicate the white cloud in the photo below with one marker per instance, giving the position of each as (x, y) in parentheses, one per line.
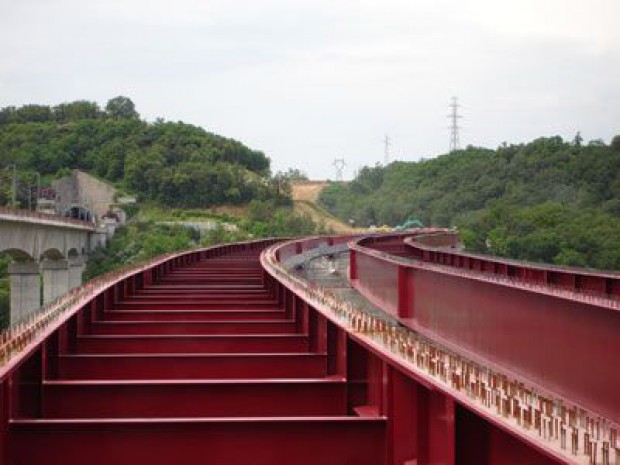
(307, 81)
(593, 22)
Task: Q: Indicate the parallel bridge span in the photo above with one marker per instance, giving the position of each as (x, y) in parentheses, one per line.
(219, 356)
(47, 245)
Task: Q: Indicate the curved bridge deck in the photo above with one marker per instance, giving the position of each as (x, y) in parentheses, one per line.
(206, 365)
(220, 356)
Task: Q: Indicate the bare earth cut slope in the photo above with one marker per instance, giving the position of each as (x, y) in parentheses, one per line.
(305, 196)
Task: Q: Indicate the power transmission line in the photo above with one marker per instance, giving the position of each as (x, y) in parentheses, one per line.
(339, 164)
(454, 116)
(387, 143)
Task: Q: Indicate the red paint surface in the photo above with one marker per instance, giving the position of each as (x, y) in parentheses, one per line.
(560, 344)
(378, 280)
(199, 362)
(193, 328)
(479, 443)
(564, 346)
(181, 366)
(193, 398)
(206, 359)
(189, 344)
(245, 441)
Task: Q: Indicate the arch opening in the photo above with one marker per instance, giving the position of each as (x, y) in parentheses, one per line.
(52, 254)
(73, 253)
(79, 213)
(17, 255)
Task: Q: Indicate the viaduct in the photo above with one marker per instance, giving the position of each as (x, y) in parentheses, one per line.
(416, 354)
(47, 246)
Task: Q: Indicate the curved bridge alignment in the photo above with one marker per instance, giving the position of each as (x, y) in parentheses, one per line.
(555, 328)
(488, 399)
(195, 358)
(37, 236)
(214, 356)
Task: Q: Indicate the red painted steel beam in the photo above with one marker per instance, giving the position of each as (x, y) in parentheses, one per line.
(479, 442)
(193, 305)
(371, 392)
(182, 366)
(572, 278)
(193, 315)
(193, 327)
(156, 294)
(189, 344)
(198, 298)
(560, 345)
(262, 441)
(233, 408)
(194, 398)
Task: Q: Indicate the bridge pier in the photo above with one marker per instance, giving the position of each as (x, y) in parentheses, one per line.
(76, 268)
(27, 238)
(25, 289)
(55, 279)
(98, 239)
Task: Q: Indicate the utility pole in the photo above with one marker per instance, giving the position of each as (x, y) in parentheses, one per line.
(14, 202)
(387, 143)
(339, 164)
(38, 190)
(454, 116)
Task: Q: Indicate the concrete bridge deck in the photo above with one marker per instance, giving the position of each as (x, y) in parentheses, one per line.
(43, 246)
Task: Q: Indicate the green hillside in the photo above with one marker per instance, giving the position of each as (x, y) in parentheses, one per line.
(176, 171)
(548, 200)
(170, 163)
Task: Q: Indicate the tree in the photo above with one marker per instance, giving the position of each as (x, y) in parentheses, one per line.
(294, 174)
(261, 210)
(280, 189)
(73, 111)
(615, 143)
(26, 114)
(121, 108)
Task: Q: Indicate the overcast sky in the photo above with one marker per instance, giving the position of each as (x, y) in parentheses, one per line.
(310, 81)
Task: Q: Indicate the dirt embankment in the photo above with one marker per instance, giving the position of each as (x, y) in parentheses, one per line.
(305, 197)
(308, 190)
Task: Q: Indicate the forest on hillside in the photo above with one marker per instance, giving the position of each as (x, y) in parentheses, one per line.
(177, 168)
(549, 200)
(170, 163)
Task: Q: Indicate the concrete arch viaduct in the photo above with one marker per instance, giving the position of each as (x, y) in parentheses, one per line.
(233, 355)
(46, 246)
